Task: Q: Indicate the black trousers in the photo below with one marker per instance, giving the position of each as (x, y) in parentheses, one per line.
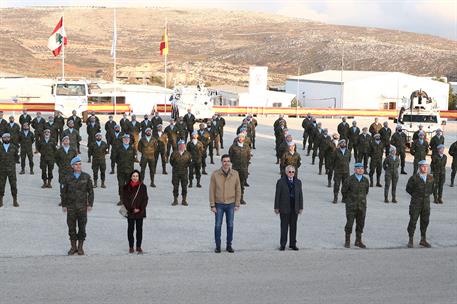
(139, 232)
(288, 221)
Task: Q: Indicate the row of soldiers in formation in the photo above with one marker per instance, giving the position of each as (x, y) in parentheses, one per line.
(123, 142)
(368, 147)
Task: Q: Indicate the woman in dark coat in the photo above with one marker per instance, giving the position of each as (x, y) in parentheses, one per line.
(135, 200)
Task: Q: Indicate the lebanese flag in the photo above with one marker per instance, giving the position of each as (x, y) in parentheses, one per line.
(58, 35)
(164, 43)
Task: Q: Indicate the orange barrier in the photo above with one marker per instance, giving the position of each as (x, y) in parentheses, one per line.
(49, 107)
(304, 111)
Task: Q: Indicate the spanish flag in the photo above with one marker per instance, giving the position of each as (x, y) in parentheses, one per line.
(164, 43)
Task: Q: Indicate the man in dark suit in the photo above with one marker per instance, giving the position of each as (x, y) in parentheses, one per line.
(289, 204)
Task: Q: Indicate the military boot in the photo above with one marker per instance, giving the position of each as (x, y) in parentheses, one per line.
(358, 241)
(164, 169)
(424, 242)
(329, 184)
(80, 247)
(242, 201)
(394, 199)
(403, 171)
(212, 161)
(190, 184)
(371, 180)
(320, 170)
(184, 200)
(347, 242)
(95, 183)
(49, 183)
(103, 184)
(378, 183)
(335, 198)
(153, 185)
(15, 203)
(1, 201)
(435, 200)
(386, 199)
(440, 200)
(31, 171)
(45, 184)
(411, 242)
(22, 171)
(198, 183)
(73, 249)
(119, 203)
(204, 171)
(175, 201)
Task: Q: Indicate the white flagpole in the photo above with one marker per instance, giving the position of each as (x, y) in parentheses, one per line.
(165, 63)
(113, 50)
(63, 47)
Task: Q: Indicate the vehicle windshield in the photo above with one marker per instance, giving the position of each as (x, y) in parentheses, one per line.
(69, 89)
(420, 118)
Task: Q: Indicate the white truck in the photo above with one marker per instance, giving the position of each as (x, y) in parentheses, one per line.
(420, 109)
(197, 98)
(70, 95)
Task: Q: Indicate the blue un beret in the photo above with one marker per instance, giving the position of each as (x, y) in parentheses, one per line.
(75, 160)
(358, 165)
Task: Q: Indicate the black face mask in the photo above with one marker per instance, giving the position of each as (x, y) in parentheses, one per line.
(6, 141)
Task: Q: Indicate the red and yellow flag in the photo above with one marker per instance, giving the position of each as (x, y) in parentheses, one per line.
(164, 43)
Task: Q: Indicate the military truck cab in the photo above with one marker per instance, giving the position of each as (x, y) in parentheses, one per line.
(70, 95)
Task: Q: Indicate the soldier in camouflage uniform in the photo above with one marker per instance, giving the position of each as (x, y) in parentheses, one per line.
(330, 158)
(196, 150)
(48, 151)
(146, 123)
(375, 127)
(290, 158)
(63, 158)
(386, 134)
(156, 120)
(353, 137)
(77, 124)
(189, 120)
(173, 134)
(73, 135)
(53, 129)
(125, 160)
(280, 135)
(343, 129)
(99, 151)
(124, 122)
(252, 123)
(436, 140)
(3, 124)
(341, 159)
(149, 148)
(324, 145)
(92, 129)
(180, 160)
(162, 140)
(38, 124)
(8, 159)
(26, 140)
(77, 199)
(316, 141)
(399, 141)
(306, 125)
(438, 167)
(283, 148)
(213, 134)
(390, 165)
(13, 129)
(182, 129)
(59, 123)
(109, 131)
(240, 156)
(312, 133)
(135, 130)
(25, 118)
(420, 187)
(220, 125)
(416, 134)
(419, 149)
(376, 152)
(205, 139)
(363, 148)
(453, 153)
(355, 189)
(115, 140)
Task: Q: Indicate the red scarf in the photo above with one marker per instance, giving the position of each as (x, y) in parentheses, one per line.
(134, 184)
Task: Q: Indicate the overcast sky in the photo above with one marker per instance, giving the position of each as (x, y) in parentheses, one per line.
(435, 17)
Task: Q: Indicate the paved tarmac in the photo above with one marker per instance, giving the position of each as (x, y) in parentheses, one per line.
(179, 265)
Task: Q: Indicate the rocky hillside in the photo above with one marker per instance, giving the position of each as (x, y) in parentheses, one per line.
(212, 45)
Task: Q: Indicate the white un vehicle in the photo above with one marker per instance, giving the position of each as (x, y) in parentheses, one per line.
(70, 95)
(197, 98)
(420, 109)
